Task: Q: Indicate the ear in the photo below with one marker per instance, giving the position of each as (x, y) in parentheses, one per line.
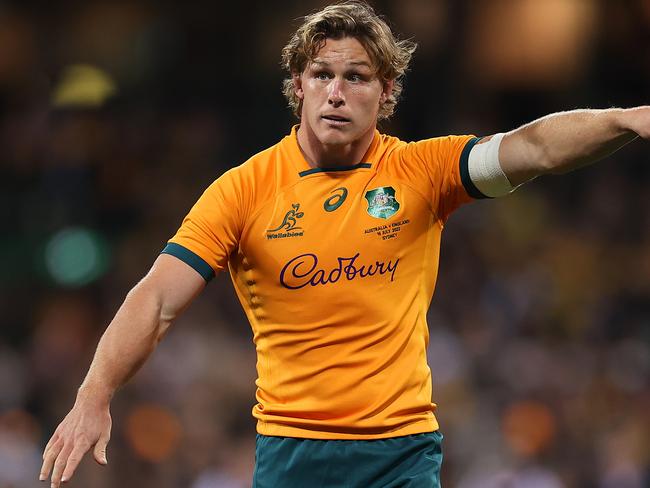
(297, 85)
(386, 91)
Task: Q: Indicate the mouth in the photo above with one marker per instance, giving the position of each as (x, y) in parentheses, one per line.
(335, 120)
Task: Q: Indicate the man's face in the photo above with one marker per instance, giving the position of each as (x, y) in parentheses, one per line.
(340, 93)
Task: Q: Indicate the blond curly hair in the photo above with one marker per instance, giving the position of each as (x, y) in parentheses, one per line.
(357, 19)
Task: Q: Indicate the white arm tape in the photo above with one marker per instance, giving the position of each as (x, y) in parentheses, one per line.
(485, 170)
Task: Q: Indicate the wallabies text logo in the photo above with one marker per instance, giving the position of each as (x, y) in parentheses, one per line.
(382, 203)
(288, 227)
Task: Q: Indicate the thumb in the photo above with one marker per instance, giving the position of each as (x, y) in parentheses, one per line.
(100, 450)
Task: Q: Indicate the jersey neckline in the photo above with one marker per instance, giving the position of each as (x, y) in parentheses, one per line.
(304, 169)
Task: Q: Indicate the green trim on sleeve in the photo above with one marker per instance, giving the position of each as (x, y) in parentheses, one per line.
(191, 259)
(469, 185)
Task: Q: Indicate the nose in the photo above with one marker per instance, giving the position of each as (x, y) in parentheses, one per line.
(335, 96)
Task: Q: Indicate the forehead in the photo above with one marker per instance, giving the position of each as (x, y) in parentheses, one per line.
(347, 50)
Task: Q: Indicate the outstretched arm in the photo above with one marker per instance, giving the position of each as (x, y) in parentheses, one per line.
(140, 323)
(564, 141)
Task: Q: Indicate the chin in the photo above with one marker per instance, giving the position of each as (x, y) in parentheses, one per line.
(329, 139)
(334, 140)
(336, 137)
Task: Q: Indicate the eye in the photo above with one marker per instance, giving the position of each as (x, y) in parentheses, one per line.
(322, 76)
(357, 77)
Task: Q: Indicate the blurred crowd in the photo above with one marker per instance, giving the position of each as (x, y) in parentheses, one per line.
(114, 115)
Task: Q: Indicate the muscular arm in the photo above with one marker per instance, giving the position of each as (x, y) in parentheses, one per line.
(139, 325)
(564, 141)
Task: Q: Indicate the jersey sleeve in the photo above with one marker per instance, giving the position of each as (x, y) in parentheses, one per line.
(211, 230)
(444, 160)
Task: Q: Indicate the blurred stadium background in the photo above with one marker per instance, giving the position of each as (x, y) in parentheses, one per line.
(114, 115)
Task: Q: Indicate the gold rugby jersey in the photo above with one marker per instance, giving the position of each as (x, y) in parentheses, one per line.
(335, 268)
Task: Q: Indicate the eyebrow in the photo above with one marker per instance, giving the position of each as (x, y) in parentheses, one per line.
(353, 63)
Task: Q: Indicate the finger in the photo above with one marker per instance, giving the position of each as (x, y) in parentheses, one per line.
(50, 443)
(73, 461)
(100, 449)
(49, 457)
(59, 464)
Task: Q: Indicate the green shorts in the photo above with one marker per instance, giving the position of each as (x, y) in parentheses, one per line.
(409, 461)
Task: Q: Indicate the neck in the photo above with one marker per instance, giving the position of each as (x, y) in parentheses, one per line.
(320, 155)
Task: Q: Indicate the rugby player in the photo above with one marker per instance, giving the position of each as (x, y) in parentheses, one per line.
(331, 238)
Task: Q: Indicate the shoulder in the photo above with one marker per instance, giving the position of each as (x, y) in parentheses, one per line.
(253, 171)
(258, 164)
(256, 180)
(439, 146)
(432, 155)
